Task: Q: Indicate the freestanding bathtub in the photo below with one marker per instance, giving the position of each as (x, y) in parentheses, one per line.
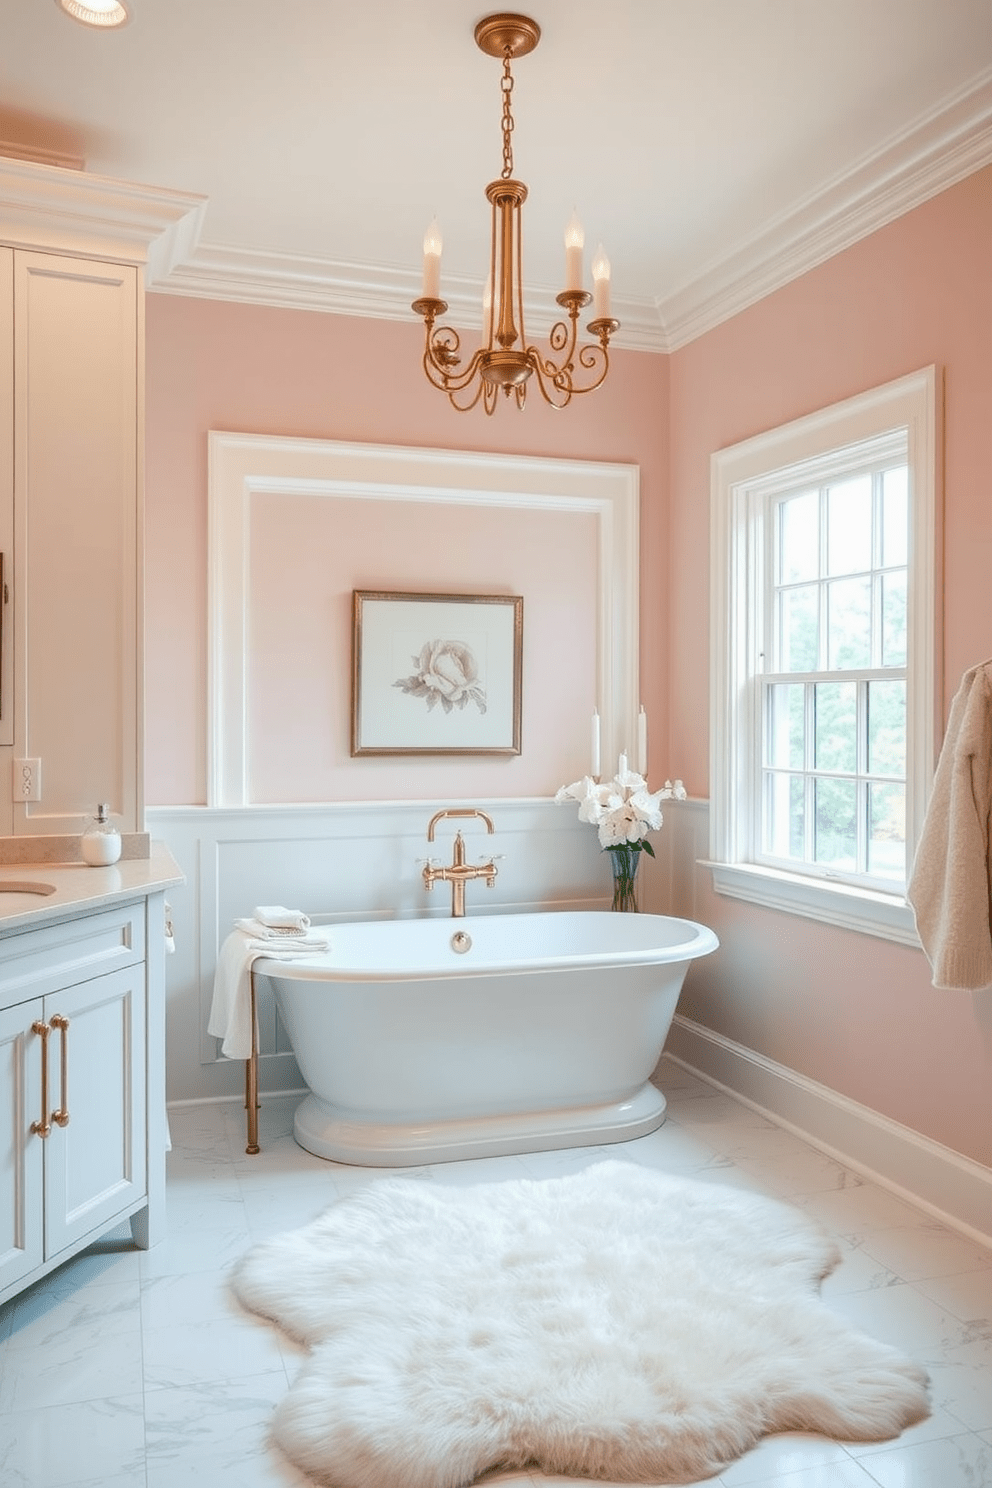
(429, 1040)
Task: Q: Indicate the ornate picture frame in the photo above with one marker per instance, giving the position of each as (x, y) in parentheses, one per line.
(436, 674)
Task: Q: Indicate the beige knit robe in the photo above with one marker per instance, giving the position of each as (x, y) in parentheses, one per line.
(950, 888)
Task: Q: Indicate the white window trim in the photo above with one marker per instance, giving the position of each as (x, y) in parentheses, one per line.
(911, 402)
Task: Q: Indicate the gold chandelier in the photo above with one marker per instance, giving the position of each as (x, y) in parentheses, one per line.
(504, 360)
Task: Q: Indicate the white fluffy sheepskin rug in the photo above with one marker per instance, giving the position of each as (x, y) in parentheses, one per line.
(617, 1323)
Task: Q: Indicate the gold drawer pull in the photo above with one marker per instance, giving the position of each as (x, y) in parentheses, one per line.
(61, 1116)
(42, 1128)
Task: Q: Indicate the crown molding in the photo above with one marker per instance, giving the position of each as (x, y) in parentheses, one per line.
(47, 207)
(295, 282)
(17, 151)
(936, 152)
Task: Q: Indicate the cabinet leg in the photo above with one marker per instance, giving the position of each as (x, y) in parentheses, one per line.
(140, 1229)
(251, 1079)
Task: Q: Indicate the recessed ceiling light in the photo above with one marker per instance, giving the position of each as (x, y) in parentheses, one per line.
(103, 14)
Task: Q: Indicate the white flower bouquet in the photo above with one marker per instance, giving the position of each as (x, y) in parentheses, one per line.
(624, 811)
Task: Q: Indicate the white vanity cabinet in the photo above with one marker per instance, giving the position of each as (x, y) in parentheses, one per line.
(82, 1101)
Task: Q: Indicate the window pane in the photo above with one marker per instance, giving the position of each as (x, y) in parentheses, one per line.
(835, 706)
(800, 538)
(894, 619)
(887, 728)
(849, 526)
(849, 624)
(786, 747)
(835, 823)
(887, 834)
(895, 517)
(798, 639)
(785, 823)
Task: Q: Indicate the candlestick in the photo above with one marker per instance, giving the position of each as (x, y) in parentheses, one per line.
(595, 746)
(642, 742)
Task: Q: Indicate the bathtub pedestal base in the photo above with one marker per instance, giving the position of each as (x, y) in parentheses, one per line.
(329, 1132)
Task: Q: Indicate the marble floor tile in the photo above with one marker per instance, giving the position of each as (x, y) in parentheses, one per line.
(200, 1353)
(216, 1434)
(965, 1460)
(126, 1369)
(919, 1252)
(968, 1295)
(83, 1364)
(93, 1444)
(789, 1452)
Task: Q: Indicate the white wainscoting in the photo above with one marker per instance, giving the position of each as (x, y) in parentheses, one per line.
(346, 861)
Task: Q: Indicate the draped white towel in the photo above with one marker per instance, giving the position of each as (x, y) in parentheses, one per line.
(278, 917)
(230, 1010)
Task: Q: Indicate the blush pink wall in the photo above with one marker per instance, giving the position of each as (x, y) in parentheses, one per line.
(310, 552)
(855, 1013)
(213, 365)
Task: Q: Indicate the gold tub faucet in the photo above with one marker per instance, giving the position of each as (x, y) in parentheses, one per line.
(458, 872)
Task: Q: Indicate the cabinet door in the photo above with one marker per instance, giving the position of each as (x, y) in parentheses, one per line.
(75, 596)
(95, 1162)
(21, 1153)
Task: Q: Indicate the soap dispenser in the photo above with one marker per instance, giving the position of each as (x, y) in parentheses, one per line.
(101, 841)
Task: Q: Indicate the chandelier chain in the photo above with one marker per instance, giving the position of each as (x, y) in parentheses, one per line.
(506, 86)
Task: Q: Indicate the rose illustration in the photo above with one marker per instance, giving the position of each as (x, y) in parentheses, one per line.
(446, 673)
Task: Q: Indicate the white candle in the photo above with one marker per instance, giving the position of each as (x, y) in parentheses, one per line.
(622, 765)
(601, 285)
(433, 244)
(642, 743)
(594, 772)
(574, 242)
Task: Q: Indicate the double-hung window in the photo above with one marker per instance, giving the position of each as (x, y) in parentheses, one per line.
(823, 643)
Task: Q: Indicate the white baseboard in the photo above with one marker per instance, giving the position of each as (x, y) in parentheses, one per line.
(953, 1188)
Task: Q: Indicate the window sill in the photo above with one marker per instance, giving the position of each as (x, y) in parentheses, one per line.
(887, 916)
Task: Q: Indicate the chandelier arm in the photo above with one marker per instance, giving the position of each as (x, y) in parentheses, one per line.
(560, 376)
(441, 347)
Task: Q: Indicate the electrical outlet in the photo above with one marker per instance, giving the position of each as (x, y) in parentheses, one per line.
(27, 780)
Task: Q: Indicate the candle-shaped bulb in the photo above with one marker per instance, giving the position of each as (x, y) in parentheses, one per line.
(433, 244)
(487, 311)
(601, 285)
(574, 243)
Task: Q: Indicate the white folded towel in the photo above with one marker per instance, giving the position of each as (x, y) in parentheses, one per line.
(230, 1010)
(261, 931)
(278, 917)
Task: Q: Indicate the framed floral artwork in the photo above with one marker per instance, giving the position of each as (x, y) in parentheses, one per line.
(436, 673)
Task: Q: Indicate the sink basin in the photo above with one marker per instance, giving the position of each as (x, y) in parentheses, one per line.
(24, 886)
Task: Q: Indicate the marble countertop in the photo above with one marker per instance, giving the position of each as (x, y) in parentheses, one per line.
(76, 887)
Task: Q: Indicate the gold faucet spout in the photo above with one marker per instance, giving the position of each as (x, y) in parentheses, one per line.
(459, 811)
(458, 872)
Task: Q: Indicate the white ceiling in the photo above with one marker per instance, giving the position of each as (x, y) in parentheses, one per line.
(716, 147)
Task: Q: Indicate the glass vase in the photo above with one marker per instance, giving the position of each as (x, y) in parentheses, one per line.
(624, 861)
